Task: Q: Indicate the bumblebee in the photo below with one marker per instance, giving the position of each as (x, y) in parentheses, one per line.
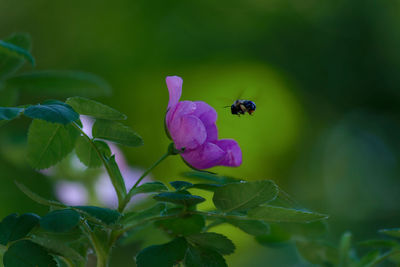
(243, 106)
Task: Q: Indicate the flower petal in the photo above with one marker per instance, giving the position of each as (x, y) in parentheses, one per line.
(174, 84)
(208, 116)
(233, 156)
(206, 156)
(188, 132)
(176, 112)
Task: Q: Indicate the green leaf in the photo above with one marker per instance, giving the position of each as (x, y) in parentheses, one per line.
(13, 228)
(317, 252)
(131, 218)
(395, 232)
(213, 241)
(9, 113)
(369, 258)
(179, 185)
(150, 188)
(252, 227)
(108, 216)
(116, 132)
(344, 249)
(25, 253)
(116, 178)
(379, 243)
(57, 247)
(60, 220)
(178, 198)
(183, 225)
(87, 153)
(279, 214)
(60, 84)
(23, 226)
(9, 64)
(49, 143)
(200, 257)
(6, 228)
(52, 111)
(94, 109)
(244, 196)
(166, 255)
(277, 237)
(35, 197)
(15, 51)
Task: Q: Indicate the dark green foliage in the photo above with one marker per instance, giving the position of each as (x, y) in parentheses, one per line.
(49, 143)
(88, 155)
(252, 227)
(116, 132)
(150, 187)
(9, 113)
(13, 228)
(52, 111)
(178, 198)
(395, 232)
(179, 185)
(59, 84)
(10, 63)
(6, 228)
(244, 196)
(108, 216)
(318, 252)
(35, 197)
(201, 257)
(166, 255)
(182, 225)
(213, 241)
(131, 218)
(94, 109)
(24, 253)
(15, 51)
(60, 220)
(279, 214)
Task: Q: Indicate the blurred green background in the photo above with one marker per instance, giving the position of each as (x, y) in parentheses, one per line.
(324, 76)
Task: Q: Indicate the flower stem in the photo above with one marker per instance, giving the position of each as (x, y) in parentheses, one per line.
(132, 191)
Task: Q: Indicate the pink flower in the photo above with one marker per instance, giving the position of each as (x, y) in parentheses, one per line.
(192, 127)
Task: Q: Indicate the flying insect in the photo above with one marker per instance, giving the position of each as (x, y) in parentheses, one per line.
(243, 106)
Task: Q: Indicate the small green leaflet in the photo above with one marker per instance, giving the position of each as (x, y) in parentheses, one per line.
(94, 109)
(252, 227)
(178, 198)
(116, 178)
(9, 113)
(52, 111)
(16, 51)
(116, 132)
(35, 197)
(201, 257)
(18, 253)
(59, 84)
(166, 255)
(395, 232)
(245, 195)
(108, 216)
(9, 64)
(60, 220)
(279, 214)
(183, 225)
(150, 187)
(49, 143)
(87, 154)
(131, 218)
(213, 241)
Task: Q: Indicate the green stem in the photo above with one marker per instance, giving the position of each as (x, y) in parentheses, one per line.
(128, 197)
(101, 254)
(103, 160)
